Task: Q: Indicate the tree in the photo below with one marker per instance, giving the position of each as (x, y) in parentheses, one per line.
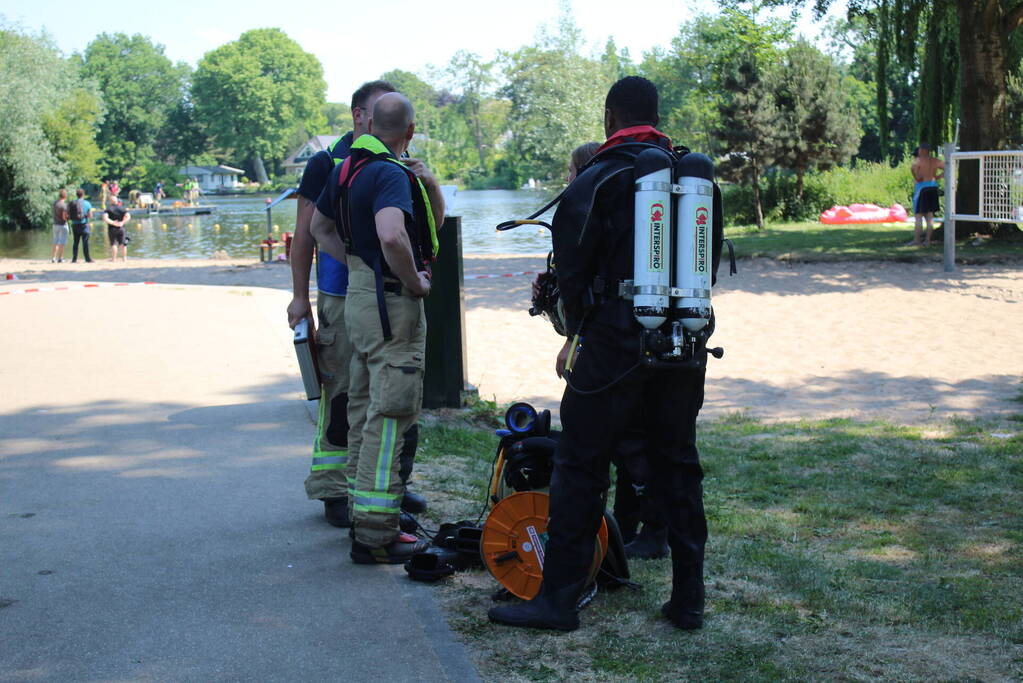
(888, 136)
(339, 117)
(46, 140)
(71, 126)
(690, 77)
(617, 62)
(557, 100)
(253, 93)
(816, 128)
(182, 138)
(982, 30)
(424, 98)
(474, 75)
(140, 87)
(747, 129)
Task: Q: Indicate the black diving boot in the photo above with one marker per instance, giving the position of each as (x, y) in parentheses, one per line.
(628, 525)
(408, 523)
(685, 609)
(335, 510)
(413, 503)
(553, 609)
(651, 543)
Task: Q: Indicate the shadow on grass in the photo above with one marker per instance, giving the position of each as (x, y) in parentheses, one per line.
(863, 392)
(839, 550)
(876, 518)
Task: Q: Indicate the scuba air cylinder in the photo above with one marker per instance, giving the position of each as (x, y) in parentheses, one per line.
(693, 257)
(673, 260)
(678, 238)
(651, 258)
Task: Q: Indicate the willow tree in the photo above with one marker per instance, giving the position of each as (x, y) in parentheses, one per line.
(47, 139)
(965, 66)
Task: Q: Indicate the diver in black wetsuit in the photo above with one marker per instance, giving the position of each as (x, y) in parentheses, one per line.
(610, 392)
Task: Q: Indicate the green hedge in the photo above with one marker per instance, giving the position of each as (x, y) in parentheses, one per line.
(867, 183)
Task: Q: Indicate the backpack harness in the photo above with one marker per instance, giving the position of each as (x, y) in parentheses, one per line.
(623, 152)
(421, 228)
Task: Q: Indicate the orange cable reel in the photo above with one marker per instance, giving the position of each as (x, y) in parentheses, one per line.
(515, 538)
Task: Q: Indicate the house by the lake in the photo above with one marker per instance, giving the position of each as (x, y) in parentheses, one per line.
(213, 179)
(296, 161)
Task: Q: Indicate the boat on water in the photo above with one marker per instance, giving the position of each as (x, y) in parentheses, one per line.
(171, 210)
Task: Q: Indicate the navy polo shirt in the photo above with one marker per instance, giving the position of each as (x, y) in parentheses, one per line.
(331, 274)
(379, 185)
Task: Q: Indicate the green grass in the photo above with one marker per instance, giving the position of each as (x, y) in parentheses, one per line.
(883, 242)
(839, 550)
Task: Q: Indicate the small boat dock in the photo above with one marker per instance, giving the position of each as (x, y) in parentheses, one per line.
(202, 209)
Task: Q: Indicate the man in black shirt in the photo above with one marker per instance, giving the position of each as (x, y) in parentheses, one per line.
(116, 218)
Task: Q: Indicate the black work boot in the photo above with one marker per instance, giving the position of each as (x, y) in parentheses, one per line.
(554, 609)
(335, 510)
(398, 551)
(685, 609)
(650, 543)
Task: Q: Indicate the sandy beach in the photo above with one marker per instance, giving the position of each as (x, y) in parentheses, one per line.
(904, 342)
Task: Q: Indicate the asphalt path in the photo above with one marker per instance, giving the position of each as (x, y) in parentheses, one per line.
(153, 524)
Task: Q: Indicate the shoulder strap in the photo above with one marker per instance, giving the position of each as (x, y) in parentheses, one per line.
(425, 226)
(624, 150)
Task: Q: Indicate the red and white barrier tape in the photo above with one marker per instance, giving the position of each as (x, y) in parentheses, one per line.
(485, 277)
(91, 285)
(88, 285)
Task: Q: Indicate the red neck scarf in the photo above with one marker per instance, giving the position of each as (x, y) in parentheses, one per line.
(635, 134)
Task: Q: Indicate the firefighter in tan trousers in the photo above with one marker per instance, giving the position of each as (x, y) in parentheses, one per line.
(386, 214)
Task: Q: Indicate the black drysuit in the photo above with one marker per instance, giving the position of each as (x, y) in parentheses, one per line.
(593, 241)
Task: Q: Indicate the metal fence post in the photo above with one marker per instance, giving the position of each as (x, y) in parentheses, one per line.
(444, 383)
(949, 224)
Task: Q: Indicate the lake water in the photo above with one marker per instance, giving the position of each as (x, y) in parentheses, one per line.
(238, 224)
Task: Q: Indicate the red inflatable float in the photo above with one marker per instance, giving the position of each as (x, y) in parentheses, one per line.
(864, 213)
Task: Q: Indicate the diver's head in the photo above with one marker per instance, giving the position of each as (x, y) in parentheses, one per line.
(923, 150)
(363, 100)
(632, 101)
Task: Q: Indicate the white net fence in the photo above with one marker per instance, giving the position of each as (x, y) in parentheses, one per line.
(1001, 185)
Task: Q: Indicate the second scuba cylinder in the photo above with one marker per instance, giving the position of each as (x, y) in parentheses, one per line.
(651, 270)
(693, 257)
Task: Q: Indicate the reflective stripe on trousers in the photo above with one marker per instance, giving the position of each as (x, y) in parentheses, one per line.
(379, 500)
(326, 460)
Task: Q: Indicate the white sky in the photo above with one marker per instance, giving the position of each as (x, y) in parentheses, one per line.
(412, 36)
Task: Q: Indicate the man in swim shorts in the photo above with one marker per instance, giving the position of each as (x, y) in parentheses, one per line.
(926, 171)
(116, 218)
